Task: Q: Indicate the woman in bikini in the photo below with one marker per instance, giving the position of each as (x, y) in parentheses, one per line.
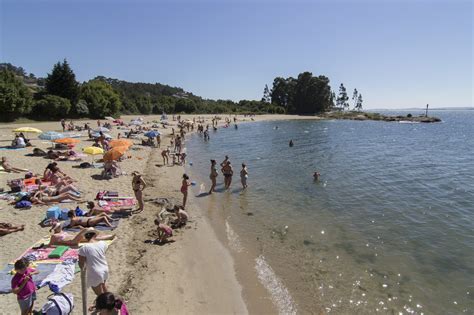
(88, 221)
(10, 169)
(228, 172)
(138, 185)
(213, 176)
(184, 189)
(42, 198)
(60, 237)
(96, 209)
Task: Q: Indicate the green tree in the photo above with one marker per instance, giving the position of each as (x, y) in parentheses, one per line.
(359, 103)
(52, 107)
(342, 98)
(82, 109)
(266, 95)
(282, 93)
(62, 82)
(15, 98)
(355, 94)
(101, 99)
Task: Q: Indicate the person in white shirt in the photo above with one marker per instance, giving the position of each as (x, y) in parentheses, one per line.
(92, 259)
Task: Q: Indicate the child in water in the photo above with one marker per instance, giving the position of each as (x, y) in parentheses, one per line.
(244, 174)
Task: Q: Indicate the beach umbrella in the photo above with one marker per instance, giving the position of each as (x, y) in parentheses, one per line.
(152, 134)
(93, 150)
(27, 129)
(103, 129)
(115, 153)
(51, 135)
(97, 135)
(67, 141)
(120, 143)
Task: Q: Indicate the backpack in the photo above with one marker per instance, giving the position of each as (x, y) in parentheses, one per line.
(23, 204)
(58, 304)
(16, 185)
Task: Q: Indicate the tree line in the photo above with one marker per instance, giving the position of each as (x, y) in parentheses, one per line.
(60, 95)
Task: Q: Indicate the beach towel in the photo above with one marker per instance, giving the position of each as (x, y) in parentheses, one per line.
(58, 252)
(62, 275)
(6, 277)
(117, 203)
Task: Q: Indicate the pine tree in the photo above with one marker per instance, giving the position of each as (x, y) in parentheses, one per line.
(359, 103)
(266, 95)
(342, 98)
(355, 94)
(62, 82)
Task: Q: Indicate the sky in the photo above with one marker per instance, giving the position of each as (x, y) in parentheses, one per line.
(398, 54)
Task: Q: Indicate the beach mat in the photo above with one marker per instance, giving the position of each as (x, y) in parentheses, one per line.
(6, 277)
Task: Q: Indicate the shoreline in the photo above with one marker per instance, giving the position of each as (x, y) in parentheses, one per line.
(130, 259)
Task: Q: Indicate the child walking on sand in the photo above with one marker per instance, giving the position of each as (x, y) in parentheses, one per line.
(138, 185)
(164, 231)
(23, 286)
(184, 189)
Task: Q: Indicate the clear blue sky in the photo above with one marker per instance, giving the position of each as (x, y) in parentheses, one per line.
(396, 53)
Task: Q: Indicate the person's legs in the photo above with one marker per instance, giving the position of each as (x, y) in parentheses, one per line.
(139, 196)
(185, 198)
(101, 288)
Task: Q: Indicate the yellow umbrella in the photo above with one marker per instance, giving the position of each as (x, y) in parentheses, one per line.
(67, 140)
(27, 129)
(120, 143)
(114, 153)
(93, 150)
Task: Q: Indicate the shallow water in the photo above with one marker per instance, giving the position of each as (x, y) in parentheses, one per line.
(388, 228)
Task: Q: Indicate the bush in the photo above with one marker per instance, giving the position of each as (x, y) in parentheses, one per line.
(51, 107)
(15, 98)
(102, 100)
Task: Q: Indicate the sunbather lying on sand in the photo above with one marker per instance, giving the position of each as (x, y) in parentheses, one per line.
(60, 237)
(96, 209)
(7, 167)
(42, 198)
(88, 221)
(7, 228)
(55, 190)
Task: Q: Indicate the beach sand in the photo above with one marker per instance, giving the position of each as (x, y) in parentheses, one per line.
(193, 274)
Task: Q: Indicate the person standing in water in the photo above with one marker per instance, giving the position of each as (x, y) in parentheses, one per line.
(244, 174)
(291, 143)
(225, 161)
(138, 185)
(213, 176)
(184, 189)
(316, 176)
(228, 172)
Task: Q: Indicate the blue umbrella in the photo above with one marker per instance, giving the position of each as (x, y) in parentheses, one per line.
(51, 135)
(97, 135)
(103, 129)
(152, 134)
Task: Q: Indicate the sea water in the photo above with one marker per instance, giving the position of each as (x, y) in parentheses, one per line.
(388, 228)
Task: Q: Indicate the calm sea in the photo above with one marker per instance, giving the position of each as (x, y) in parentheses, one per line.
(389, 227)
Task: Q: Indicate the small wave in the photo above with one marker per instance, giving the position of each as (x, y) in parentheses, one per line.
(233, 238)
(279, 293)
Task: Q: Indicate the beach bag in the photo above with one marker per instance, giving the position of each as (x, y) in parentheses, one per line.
(16, 185)
(23, 204)
(79, 212)
(53, 213)
(58, 304)
(85, 165)
(28, 175)
(63, 215)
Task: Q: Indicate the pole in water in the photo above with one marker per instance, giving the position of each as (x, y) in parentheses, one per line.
(426, 113)
(84, 292)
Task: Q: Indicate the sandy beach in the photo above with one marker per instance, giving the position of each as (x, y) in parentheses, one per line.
(193, 274)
